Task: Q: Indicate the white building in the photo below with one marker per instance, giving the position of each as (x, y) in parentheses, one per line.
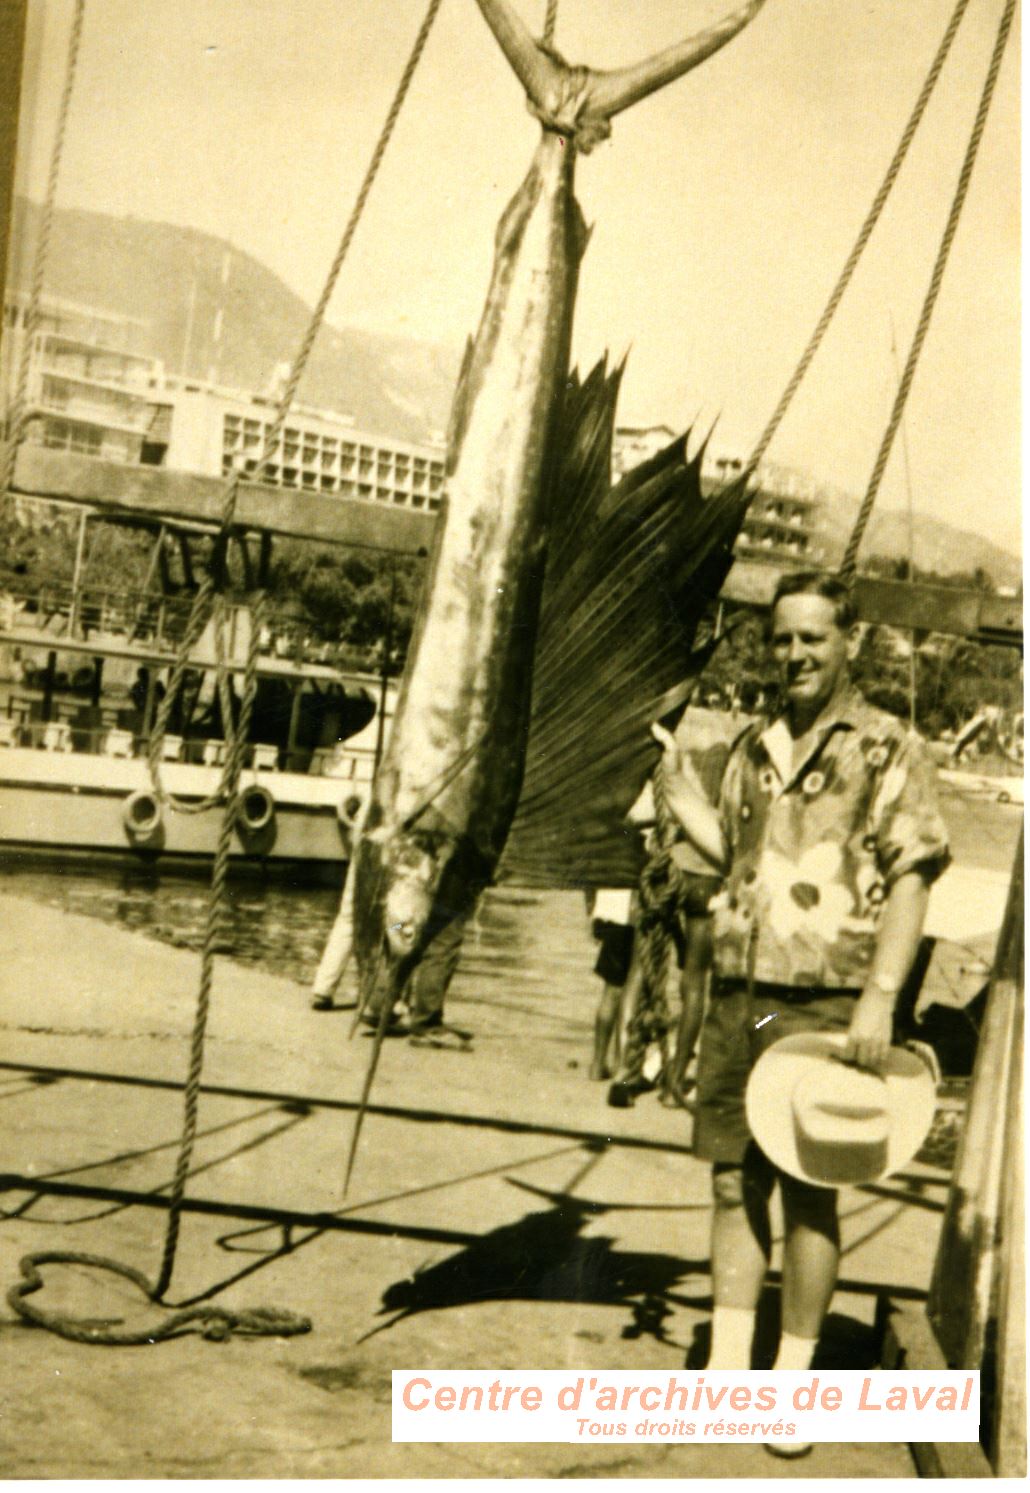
(782, 523)
(92, 391)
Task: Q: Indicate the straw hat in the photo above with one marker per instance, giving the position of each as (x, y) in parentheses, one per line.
(832, 1124)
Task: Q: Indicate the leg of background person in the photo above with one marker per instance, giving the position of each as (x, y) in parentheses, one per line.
(631, 1044)
(697, 960)
(631, 993)
(741, 1245)
(606, 1033)
(811, 1255)
(430, 982)
(337, 951)
(614, 957)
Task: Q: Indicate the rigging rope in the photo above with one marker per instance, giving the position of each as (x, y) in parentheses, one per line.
(864, 235)
(207, 605)
(550, 22)
(849, 562)
(17, 415)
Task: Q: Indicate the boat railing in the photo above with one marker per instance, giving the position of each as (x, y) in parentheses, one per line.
(67, 613)
(349, 764)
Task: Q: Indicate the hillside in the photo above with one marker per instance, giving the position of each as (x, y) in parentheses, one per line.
(393, 386)
(153, 271)
(938, 546)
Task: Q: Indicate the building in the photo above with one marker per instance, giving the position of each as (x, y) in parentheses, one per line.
(93, 391)
(89, 385)
(782, 524)
(216, 431)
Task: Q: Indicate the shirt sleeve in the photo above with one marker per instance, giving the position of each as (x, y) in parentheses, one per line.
(905, 816)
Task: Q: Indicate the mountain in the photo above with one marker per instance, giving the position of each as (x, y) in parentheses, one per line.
(937, 546)
(172, 279)
(177, 279)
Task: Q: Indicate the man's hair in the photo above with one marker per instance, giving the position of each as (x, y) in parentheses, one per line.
(817, 583)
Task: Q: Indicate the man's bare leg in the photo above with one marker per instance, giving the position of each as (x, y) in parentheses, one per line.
(697, 959)
(606, 1032)
(741, 1246)
(811, 1256)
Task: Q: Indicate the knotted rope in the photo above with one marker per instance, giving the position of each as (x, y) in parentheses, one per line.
(660, 890)
(550, 21)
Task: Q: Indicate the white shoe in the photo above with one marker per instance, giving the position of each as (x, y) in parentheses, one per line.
(788, 1450)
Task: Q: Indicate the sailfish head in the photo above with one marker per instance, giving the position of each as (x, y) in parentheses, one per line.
(407, 878)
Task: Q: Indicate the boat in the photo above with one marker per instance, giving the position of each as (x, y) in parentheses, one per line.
(84, 670)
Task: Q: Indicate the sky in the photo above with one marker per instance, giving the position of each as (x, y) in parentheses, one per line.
(722, 208)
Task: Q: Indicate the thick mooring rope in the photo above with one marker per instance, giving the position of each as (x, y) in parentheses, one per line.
(850, 559)
(218, 1322)
(660, 891)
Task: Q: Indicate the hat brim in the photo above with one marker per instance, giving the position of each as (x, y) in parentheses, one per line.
(911, 1102)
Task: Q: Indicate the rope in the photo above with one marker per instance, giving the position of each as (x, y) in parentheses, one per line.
(212, 935)
(216, 1322)
(17, 422)
(550, 22)
(848, 564)
(207, 606)
(865, 233)
(659, 893)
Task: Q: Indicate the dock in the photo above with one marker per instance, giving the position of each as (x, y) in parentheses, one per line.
(500, 1216)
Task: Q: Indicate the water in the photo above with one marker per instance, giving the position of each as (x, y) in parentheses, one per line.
(524, 952)
(279, 928)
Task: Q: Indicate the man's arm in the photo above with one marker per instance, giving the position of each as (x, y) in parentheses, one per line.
(687, 801)
(901, 927)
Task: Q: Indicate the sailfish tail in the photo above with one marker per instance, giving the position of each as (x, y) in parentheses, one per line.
(580, 101)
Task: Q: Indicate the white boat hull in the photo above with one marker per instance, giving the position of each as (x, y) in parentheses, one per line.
(69, 804)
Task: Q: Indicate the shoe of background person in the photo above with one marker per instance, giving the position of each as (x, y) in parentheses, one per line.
(321, 1003)
(624, 1092)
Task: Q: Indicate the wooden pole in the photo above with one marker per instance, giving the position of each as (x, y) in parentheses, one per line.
(978, 1278)
(12, 48)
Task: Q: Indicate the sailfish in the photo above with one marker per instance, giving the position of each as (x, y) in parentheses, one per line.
(527, 488)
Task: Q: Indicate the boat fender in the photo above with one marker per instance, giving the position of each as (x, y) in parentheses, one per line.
(348, 811)
(256, 809)
(141, 815)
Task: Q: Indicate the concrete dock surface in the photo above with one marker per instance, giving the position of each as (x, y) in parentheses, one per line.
(500, 1216)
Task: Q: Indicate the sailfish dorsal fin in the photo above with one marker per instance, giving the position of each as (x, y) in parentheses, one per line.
(631, 568)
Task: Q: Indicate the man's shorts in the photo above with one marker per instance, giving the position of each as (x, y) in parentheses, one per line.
(738, 1027)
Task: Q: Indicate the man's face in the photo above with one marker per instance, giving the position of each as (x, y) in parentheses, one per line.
(811, 652)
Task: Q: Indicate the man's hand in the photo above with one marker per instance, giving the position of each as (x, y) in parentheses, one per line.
(687, 801)
(869, 1035)
(676, 763)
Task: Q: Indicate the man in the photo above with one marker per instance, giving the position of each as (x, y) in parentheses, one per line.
(829, 837)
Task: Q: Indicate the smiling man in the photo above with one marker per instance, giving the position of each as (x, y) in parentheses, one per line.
(828, 836)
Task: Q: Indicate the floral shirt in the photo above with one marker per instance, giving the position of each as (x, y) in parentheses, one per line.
(814, 850)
